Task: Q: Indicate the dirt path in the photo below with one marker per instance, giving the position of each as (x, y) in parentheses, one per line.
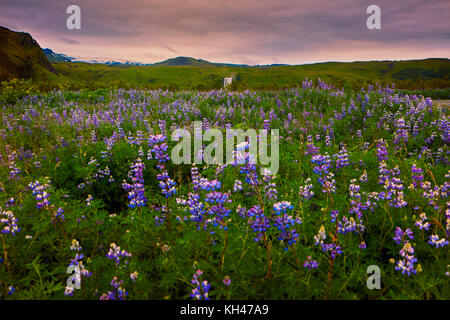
(445, 103)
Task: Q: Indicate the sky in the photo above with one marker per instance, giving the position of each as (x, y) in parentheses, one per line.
(236, 31)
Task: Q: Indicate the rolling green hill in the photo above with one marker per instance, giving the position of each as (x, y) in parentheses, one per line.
(183, 61)
(202, 74)
(188, 61)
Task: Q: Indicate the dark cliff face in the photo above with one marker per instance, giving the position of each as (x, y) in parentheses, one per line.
(21, 56)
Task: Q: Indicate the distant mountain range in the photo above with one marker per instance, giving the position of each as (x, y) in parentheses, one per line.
(126, 63)
(187, 61)
(178, 61)
(60, 57)
(56, 57)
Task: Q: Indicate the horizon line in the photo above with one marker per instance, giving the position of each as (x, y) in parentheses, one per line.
(93, 60)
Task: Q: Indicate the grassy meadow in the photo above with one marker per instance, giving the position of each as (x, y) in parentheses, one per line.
(87, 183)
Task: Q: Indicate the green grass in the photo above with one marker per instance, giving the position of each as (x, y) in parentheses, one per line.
(412, 74)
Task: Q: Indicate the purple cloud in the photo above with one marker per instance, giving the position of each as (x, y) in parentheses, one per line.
(238, 31)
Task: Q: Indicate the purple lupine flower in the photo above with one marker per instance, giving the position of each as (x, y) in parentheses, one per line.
(13, 171)
(195, 177)
(159, 148)
(310, 148)
(422, 223)
(328, 183)
(248, 168)
(333, 248)
(321, 168)
(237, 186)
(134, 276)
(258, 221)
(322, 164)
(39, 190)
(226, 281)
(285, 223)
(136, 191)
(282, 207)
(11, 290)
(401, 134)
(205, 184)
(435, 241)
(384, 173)
(334, 214)
(363, 177)
(310, 263)
(9, 222)
(306, 190)
(320, 236)
(417, 175)
(217, 210)
(400, 235)
(59, 214)
(118, 293)
(347, 225)
(201, 289)
(342, 158)
(406, 265)
(116, 254)
(166, 184)
(382, 151)
(270, 189)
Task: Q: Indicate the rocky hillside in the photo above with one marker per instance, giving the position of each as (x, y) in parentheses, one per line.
(22, 57)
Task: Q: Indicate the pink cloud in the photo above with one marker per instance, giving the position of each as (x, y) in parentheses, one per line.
(237, 31)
